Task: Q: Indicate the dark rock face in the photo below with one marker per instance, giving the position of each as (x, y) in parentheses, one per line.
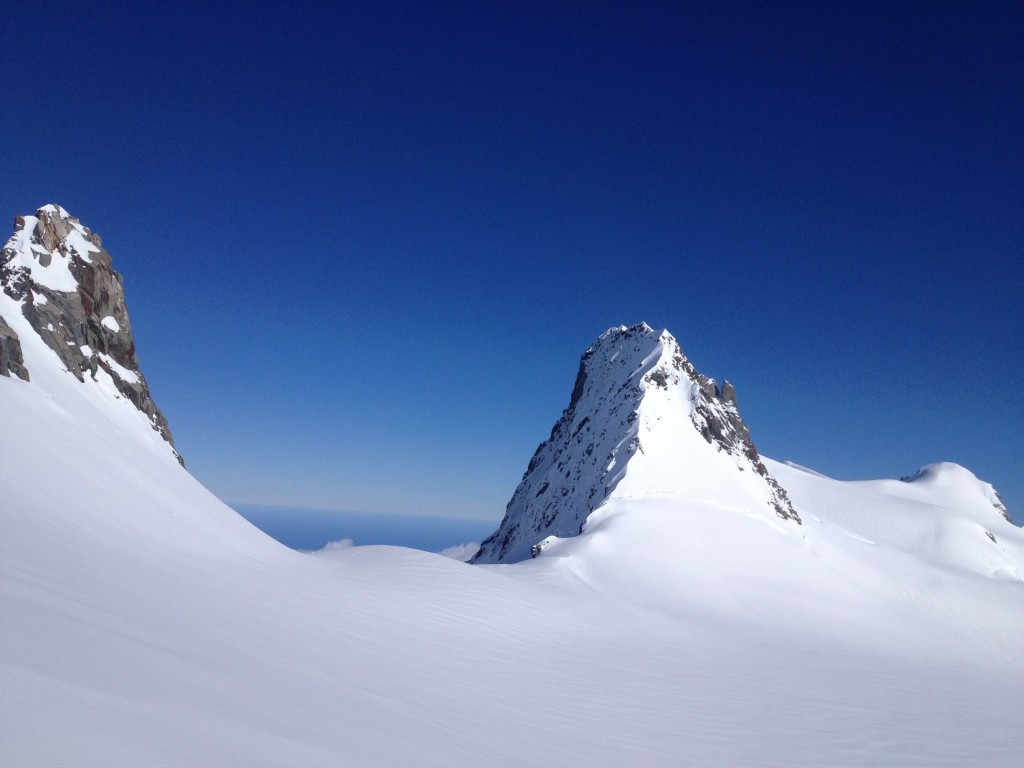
(11, 361)
(74, 300)
(1000, 506)
(717, 417)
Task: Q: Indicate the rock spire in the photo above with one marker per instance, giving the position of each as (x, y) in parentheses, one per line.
(56, 275)
(641, 421)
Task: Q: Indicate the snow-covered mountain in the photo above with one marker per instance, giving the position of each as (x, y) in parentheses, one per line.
(698, 619)
(59, 286)
(641, 422)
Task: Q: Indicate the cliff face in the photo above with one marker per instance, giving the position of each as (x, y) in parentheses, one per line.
(56, 274)
(12, 362)
(641, 421)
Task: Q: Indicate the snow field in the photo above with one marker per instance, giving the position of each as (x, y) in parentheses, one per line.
(145, 623)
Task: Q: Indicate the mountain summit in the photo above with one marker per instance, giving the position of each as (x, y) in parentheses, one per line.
(641, 422)
(58, 285)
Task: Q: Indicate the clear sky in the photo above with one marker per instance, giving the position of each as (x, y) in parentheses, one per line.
(364, 244)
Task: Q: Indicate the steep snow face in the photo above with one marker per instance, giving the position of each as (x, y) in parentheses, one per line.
(641, 422)
(59, 286)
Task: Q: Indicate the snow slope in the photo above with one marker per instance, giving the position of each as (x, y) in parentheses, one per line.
(142, 622)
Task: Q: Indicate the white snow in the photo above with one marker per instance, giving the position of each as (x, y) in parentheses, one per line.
(145, 623)
(110, 324)
(120, 370)
(56, 275)
(76, 242)
(59, 210)
(809, 471)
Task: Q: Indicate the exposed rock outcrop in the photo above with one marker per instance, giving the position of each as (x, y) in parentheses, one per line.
(63, 280)
(1000, 506)
(11, 360)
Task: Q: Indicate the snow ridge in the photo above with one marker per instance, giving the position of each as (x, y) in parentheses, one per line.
(958, 483)
(641, 421)
(58, 284)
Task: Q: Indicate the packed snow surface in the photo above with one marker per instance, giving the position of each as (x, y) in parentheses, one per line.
(145, 623)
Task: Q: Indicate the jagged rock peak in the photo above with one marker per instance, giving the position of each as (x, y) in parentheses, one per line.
(56, 275)
(641, 421)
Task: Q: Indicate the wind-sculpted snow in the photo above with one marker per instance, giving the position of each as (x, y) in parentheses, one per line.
(640, 417)
(57, 282)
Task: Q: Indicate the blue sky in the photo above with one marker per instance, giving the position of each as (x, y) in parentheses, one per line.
(364, 244)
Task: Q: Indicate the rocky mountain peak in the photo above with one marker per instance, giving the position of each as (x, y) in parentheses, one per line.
(56, 275)
(641, 420)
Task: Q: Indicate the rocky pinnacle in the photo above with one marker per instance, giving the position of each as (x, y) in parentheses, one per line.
(63, 279)
(634, 394)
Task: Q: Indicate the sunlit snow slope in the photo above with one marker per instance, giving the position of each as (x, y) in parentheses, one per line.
(142, 622)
